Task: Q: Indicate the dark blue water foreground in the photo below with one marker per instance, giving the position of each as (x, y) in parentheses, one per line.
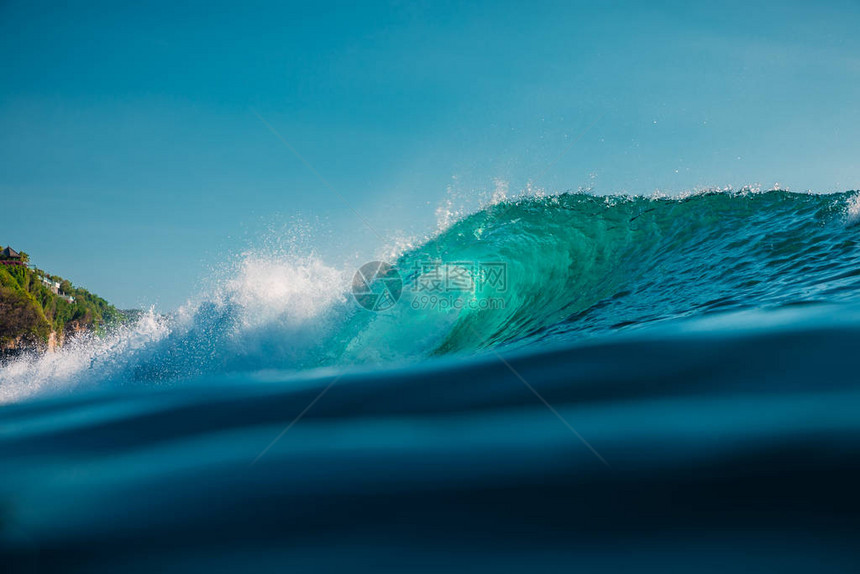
(721, 452)
(671, 386)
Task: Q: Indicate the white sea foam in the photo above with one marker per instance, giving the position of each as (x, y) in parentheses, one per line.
(83, 358)
(268, 310)
(286, 290)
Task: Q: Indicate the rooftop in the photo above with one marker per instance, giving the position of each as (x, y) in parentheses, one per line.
(10, 253)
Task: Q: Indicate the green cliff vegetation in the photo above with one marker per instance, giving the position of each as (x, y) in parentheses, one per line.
(34, 305)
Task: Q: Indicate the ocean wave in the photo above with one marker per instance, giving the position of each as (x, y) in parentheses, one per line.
(575, 266)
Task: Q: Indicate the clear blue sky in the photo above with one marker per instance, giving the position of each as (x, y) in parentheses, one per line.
(131, 159)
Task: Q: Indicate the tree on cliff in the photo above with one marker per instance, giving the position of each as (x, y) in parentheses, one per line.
(30, 310)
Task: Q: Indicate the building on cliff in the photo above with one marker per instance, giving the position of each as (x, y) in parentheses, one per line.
(11, 257)
(54, 286)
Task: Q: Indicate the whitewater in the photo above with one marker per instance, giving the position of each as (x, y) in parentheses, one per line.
(653, 377)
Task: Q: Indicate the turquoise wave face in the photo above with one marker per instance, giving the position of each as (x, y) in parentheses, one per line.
(578, 265)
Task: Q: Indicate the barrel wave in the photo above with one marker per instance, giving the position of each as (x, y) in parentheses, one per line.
(576, 266)
(583, 265)
(655, 384)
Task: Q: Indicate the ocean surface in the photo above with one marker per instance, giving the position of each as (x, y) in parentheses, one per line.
(564, 383)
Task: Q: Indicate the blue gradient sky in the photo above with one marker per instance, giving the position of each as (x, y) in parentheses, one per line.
(131, 159)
